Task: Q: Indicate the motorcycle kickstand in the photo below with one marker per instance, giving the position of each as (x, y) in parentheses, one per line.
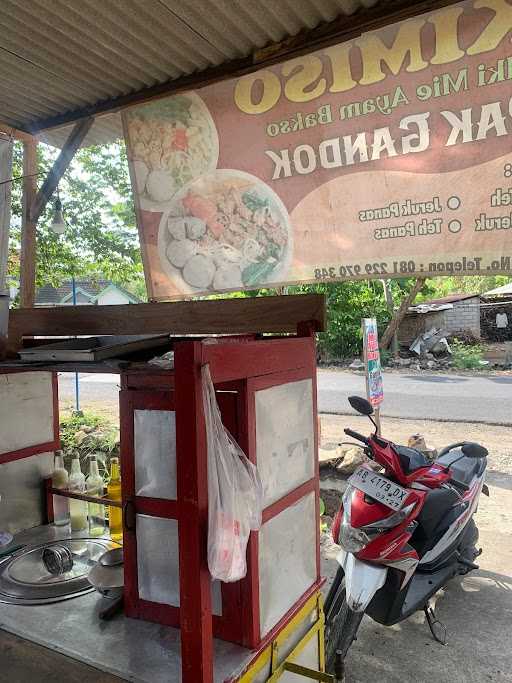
(432, 622)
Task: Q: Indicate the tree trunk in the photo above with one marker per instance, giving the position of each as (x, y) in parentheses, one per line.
(395, 322)
(391, 308)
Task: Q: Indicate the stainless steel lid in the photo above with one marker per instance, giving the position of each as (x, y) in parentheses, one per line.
(24, 578)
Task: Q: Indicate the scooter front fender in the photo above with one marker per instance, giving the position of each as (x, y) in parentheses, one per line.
(362, 580)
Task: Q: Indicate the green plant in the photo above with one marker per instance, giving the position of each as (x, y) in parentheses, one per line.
(323, 525)
(466, 356)
(385, 357)
(101, 238)
(86, 434)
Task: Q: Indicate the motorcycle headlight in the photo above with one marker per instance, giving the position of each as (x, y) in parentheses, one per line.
(393, 520)
(352, 540)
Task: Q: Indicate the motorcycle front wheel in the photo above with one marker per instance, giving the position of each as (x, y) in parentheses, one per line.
(341, 622)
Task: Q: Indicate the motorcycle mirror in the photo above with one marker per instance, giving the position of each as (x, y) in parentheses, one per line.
(474, 450)
(361, 405)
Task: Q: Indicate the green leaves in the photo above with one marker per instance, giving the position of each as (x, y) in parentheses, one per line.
(347, 303)
(101, 238)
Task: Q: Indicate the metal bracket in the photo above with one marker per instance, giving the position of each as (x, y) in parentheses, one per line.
(312, 674)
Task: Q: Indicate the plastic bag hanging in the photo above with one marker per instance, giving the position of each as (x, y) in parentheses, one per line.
(235, 493)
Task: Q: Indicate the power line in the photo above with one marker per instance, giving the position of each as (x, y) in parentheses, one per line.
(21, 177)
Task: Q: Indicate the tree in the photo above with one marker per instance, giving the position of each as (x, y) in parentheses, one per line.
(101, 239)
(456, 284)
(349, 302)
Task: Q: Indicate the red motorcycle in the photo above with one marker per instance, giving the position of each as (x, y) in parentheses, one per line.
(405, 528)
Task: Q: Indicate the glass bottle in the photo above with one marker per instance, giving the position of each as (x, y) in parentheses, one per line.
(115, 515)
(94, 487)
(77, 508)
(60, 481)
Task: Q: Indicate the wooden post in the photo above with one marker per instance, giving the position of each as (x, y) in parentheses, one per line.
(400, 314)
(5, 221)
(28, 229)
(5, 206)
(195, 581)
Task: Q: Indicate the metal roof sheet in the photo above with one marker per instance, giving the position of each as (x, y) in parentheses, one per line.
(57, 55)
(504, 290)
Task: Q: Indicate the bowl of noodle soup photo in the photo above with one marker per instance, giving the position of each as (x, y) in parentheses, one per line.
(225, 231)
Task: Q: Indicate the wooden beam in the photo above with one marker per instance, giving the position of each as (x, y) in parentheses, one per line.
(28, 228)
(60, 166)
(216, 316)
(342, 29)
(8, 131)
(5, 207)
(396, 321)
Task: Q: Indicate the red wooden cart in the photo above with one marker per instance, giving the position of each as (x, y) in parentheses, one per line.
(266, 390)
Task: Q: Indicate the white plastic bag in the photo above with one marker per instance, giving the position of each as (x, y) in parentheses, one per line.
(235, 494)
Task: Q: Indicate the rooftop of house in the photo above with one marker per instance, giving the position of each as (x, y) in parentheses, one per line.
(504, 290)
(89, 288)
(451, 299)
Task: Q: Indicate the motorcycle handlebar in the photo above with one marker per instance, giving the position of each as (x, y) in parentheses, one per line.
(356, 435)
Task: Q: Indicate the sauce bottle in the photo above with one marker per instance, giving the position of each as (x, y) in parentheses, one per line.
(115, 515)
(77, 508)
(94, 487)
(60, 481)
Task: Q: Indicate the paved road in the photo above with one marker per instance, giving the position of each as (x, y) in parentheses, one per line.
(439, 397)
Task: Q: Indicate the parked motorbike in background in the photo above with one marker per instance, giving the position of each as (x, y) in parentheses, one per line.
(405, 529)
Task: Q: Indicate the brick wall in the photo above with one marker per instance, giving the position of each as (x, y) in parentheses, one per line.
(463, 317)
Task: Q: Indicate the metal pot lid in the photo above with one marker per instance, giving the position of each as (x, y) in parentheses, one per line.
(24, 578)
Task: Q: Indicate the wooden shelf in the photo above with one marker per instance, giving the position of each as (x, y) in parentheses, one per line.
(103, 500)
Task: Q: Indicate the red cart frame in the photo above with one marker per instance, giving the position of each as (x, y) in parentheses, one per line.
(239, 367)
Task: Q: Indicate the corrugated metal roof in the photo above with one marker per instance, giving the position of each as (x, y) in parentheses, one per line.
(106, 128)
(451, 299)
(59, 55)
(504, 290)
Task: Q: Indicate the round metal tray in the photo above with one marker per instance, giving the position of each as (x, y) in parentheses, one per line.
(24, 579)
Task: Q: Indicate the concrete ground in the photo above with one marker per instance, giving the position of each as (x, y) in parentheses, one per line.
(476, 609)
(24, 662)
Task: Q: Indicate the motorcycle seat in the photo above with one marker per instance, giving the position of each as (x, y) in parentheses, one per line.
(411, 459)
(465, 469)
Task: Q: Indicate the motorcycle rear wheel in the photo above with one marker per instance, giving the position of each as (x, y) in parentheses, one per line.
(341, 622)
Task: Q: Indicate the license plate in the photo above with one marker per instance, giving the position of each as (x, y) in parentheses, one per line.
(379, 488)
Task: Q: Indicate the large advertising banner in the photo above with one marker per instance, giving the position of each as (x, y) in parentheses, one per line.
(387, 156)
